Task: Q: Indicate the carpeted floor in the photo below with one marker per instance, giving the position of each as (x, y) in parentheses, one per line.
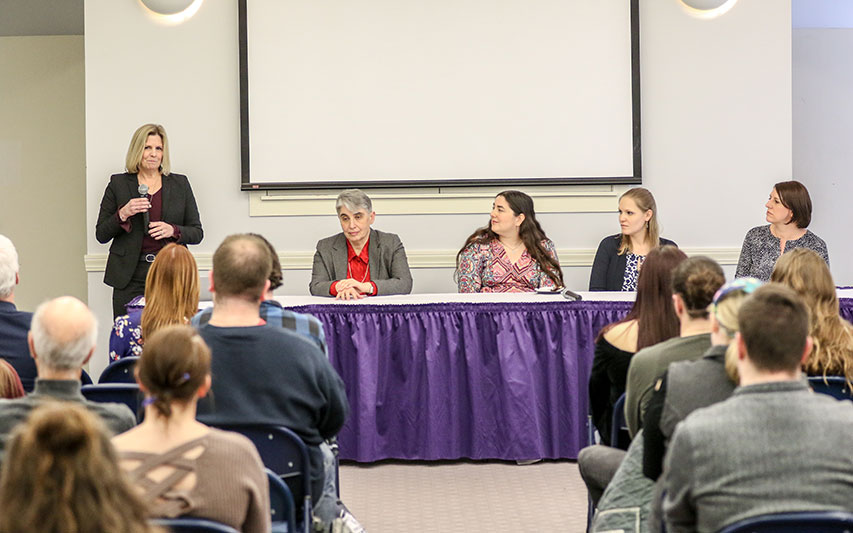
(451, 497)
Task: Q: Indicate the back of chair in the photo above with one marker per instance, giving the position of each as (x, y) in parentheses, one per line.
(282, 508)
(283, 452)
(835, 386)
(85, 379)
(125, 393)
(192, 525)
(120, 371)
(808, 521)
(618, 426)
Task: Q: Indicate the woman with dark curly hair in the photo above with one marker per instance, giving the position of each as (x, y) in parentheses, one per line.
(511, 253)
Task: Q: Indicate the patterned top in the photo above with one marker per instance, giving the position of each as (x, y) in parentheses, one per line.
(126, 338)
(486, 268)
(274, 314)
(761, 250)
(633, 262)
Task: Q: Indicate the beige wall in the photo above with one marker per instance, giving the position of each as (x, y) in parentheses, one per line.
(43, 163)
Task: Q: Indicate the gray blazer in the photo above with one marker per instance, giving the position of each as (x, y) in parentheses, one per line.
(389, 268)
(770, 448)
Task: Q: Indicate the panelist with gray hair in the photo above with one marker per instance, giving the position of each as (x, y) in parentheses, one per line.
(61, 340)
(359, 261)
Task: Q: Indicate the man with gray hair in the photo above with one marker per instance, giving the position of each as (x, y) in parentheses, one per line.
(14, 324)
(61, 341)
(359, 261)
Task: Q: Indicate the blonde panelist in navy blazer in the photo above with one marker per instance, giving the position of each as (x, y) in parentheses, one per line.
(140, 224)
(359, 261)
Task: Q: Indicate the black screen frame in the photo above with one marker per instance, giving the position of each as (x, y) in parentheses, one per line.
(245, 171)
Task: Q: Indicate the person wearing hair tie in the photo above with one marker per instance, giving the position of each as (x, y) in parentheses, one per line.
(143, 210)
(212, 474)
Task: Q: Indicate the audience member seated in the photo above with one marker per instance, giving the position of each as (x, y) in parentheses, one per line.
(690, 385)
(10, 382)
(269, 375)
(273, 313)
(61, 340)
(789, 212)
(61, 475)
(510, 254)
(359, 261)
(181, 466)
(652, 320)
(694, 283)
(171, 297)
(774, 446)
(14, 324)
(807, 273)
(617, 262)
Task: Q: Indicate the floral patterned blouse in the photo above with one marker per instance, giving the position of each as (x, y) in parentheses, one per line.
(486, 268)
(633, 262)
(126, 338)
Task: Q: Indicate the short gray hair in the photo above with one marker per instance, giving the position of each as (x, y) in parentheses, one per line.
(64, 331)
(354, 200)
(8, 266)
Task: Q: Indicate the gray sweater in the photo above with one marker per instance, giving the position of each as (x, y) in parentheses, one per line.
(770, 448)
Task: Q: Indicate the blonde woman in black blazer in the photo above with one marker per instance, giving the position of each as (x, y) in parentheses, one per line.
(170, 206)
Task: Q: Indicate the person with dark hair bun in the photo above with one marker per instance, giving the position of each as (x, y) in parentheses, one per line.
(511, 253)
(217, 475)
(694, 283)
(60, 475)
(789, 212)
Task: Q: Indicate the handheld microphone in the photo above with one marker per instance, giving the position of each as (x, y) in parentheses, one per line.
(143, 193)
(571, 295)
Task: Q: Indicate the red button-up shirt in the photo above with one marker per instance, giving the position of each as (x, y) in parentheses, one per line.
(358, 267)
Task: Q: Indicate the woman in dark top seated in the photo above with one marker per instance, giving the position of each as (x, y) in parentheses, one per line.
(652, 320)
(619, 257)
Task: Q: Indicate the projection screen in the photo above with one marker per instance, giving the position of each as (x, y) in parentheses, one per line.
(388, 93)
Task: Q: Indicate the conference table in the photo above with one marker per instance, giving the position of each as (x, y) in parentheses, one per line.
(478, 376)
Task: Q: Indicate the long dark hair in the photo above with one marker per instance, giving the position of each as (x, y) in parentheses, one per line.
(653, 309)
(530, 232)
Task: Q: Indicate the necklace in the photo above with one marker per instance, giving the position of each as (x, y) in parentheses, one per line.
(366, 272)
(512, 248)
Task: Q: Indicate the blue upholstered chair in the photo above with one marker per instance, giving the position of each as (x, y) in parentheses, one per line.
(120, 371)
(809, 521)
(192, 525)
(126, 393)
(85, 378)
(283, 452)
(835, 386)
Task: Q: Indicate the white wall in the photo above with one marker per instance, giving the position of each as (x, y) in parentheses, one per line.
(716, 101)
(823, 129)
(42, 163)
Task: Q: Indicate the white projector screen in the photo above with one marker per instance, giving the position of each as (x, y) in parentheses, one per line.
(343, 93)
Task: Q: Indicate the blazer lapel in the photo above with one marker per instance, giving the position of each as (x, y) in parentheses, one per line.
(167, 192)
(374, 255)
(339, 257)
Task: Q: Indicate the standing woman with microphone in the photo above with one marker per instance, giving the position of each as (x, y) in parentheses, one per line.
(143, 210)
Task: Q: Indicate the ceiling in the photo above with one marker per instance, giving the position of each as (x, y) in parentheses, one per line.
(65, 17)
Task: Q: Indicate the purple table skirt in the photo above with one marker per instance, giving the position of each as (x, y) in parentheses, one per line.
(482, 381)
